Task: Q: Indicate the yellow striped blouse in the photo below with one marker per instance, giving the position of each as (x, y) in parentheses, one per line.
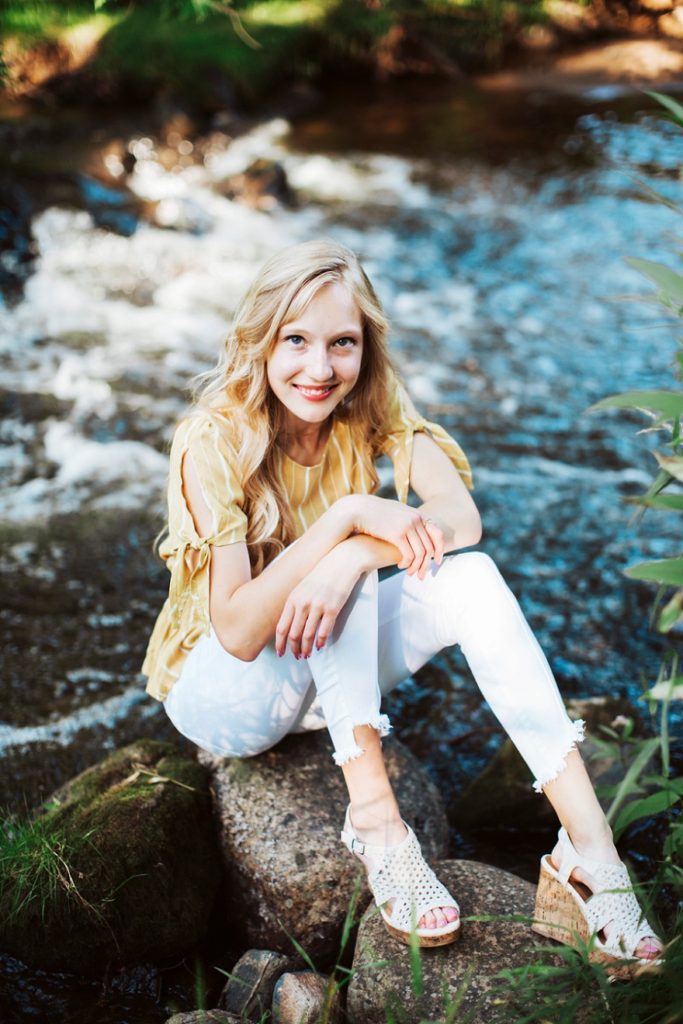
(312, 489)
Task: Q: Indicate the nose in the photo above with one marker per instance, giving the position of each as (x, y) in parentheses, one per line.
(320, 364)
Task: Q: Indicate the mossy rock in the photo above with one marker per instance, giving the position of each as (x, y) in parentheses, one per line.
(121, 865)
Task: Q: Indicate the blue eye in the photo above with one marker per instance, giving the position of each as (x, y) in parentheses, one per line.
(347, 338)
(294, 338)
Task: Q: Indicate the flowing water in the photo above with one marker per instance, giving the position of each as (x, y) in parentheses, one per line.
(495, 231)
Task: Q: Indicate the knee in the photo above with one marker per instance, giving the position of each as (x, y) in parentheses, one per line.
(474, 574)
(473, 567)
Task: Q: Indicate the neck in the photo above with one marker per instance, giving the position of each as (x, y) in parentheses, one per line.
(304, 442)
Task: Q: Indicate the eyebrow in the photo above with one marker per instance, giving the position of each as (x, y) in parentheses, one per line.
(290, 328)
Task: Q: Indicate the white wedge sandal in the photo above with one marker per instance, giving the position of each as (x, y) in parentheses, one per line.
(570, 912)
(401, 873)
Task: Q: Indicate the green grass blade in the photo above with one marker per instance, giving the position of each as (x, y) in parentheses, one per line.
(634, 770)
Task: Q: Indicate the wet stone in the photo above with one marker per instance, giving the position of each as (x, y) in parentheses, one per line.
(249, 992)
(261, 185)
(301, 998)
(382, 975)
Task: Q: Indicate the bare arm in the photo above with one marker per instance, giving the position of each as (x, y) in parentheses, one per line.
(311, 609)
(246, 613)
(445, 500)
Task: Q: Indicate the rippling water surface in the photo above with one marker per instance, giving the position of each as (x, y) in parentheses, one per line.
(496, 233)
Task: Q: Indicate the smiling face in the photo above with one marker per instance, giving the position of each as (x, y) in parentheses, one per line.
(316, 359)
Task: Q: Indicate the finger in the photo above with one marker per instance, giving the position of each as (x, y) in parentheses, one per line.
(325, 628)
(309, 631)
(283, 627)
(428, 548)
(407, 553)
(296, 629)
(418, 550)
(423, 568)
(436, 533)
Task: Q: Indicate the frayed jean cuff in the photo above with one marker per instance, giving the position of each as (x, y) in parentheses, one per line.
(350, 750)
(579, 734)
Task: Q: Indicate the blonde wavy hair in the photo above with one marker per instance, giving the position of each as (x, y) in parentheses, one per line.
(238, 389)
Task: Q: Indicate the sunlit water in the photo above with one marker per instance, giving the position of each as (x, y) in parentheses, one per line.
(503, 272)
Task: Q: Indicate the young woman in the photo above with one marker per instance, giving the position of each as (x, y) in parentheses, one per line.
(276, 621)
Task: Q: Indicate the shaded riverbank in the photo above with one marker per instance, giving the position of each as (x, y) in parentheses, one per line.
(247, 53)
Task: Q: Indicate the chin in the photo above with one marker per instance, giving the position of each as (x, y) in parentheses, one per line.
(315, 415)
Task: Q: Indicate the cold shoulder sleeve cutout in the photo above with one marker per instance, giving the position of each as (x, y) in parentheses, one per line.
(205, 437)
(185, 615)
(401, 425)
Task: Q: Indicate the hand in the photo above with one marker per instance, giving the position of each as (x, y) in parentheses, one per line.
(419, 540)
(314, 604)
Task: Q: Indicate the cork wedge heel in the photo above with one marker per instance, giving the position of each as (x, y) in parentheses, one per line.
(402, 874)
(571, 913)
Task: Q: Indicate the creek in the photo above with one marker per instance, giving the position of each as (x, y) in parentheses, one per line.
(495, 229)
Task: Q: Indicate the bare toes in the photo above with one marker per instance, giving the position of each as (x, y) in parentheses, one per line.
(438, 918)
(648, 949)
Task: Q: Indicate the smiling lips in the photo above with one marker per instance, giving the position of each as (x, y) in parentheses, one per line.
(315, 394)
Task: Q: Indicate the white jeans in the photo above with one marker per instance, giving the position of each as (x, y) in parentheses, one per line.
(386, 631)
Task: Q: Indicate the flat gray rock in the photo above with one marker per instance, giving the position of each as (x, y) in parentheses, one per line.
(279, 817)
(483, 949)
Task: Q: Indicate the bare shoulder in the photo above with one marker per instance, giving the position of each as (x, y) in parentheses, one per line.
(432, 472)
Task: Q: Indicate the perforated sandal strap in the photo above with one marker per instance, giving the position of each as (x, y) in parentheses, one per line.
(352, 842)
(400, 873)
(570, 858)
(406, 875)
(613, 901)
(616, 902)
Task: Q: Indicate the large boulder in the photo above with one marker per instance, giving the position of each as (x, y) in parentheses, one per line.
(279, 819)
(503, 792)
(122, 865)
(382, 985)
